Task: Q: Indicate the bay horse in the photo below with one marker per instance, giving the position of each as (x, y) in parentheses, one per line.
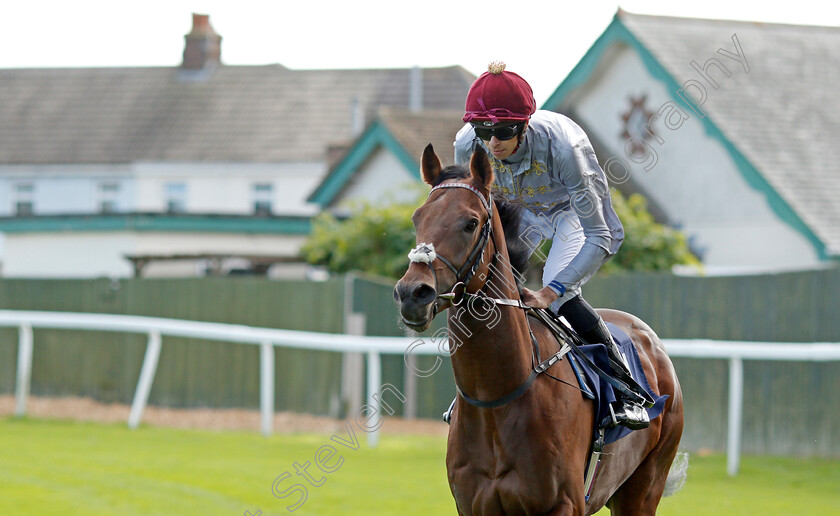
(527, 454)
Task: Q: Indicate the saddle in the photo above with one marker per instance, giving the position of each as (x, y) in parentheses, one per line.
(591, 366)
(592, 369)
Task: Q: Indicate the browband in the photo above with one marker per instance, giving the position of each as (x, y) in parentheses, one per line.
(487, 206)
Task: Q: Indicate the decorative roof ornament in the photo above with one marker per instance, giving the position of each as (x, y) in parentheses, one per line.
(637, 128)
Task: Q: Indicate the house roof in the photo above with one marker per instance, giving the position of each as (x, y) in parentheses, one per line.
(776, 119)
(404, 133)
(414, 131)
(230, 113)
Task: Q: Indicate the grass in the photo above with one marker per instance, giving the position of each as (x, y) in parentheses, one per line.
(50, 467)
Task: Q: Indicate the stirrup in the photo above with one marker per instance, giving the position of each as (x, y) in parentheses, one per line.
(447, 416)
(631, 415)
(621, 370)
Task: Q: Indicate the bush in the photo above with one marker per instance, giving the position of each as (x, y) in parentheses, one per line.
(377, 239)
(374, 239)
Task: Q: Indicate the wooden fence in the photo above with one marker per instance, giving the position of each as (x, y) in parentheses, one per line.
(789, 407)
(192, 373)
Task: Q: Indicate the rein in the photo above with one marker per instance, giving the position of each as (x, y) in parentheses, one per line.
(425, 253)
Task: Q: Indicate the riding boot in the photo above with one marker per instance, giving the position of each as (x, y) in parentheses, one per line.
(592, 328)
(626, 412)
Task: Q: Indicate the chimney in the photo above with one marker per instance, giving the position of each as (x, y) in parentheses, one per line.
(357, 117)
(415, 95)
(203, 48)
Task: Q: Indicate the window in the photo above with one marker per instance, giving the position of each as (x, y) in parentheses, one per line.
(23, 208)
(23, 199)
(108, 193)
(175, 195)
(262, 195)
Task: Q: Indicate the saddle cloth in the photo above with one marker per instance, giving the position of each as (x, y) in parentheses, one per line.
(603, 393)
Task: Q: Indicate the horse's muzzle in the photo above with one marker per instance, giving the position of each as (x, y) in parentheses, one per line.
(417, 301)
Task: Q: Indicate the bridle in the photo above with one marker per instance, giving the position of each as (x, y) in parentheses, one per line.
(425, 253)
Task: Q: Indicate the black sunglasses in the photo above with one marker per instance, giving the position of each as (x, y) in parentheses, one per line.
(501, 132)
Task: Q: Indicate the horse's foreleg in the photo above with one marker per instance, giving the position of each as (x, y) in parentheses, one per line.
(568, 507)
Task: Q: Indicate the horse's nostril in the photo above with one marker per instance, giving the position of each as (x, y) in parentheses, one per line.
(414, 293)
(424, 294)
(402, 291)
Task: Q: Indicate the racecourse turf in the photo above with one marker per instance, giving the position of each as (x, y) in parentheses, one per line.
(50, 467)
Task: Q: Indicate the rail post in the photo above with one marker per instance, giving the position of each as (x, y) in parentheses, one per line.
(736, 410)
(267, 388)
(24, 369)
(147, 376)
(374, 377)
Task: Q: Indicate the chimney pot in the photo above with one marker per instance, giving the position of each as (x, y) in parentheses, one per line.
(203, 47)
(201, 22)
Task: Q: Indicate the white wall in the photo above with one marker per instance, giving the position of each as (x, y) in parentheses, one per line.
(67, 255)
(66, 189)
(221, 188)
(227, 187)
(86, 254)
(211, 187)
(381, 177)
(695, 181)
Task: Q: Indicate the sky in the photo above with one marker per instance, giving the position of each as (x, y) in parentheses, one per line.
(540, 40)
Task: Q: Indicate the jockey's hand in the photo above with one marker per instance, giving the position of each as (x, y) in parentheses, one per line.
(538, 299)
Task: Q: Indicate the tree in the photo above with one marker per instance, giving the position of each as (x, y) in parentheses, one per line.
(377, 239)
(374, 239)
(648, 245)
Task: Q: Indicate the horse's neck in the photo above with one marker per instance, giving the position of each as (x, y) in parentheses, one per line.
(493, 352)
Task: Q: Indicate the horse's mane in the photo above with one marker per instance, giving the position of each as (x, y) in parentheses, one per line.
(510, 213)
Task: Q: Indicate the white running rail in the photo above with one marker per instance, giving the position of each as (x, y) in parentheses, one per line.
(156, 328)
(267, 339)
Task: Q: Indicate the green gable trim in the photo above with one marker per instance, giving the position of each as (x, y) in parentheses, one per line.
(141, 222)
(375, 136)
(618, 33)
(587, 64)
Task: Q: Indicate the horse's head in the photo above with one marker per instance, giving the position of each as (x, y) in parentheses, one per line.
(453, 228)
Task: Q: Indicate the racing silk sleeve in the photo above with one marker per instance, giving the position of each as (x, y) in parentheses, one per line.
(575, 182)
(464, 145)
(586, 183)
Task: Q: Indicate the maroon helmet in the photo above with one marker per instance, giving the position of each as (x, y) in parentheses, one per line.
(499, 96)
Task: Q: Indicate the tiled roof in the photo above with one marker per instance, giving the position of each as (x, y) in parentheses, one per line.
(416, 130)
(782, 114)
(235, 113)
(403, 132)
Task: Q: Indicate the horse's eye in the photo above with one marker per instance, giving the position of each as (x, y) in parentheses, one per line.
(471, 225)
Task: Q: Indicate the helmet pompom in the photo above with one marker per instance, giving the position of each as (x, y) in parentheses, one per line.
(496, 67)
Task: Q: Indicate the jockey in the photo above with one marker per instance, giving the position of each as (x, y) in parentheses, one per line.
(544, 161)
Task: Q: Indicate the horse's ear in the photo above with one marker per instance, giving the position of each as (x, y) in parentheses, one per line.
(430, 165)
(480, 168)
